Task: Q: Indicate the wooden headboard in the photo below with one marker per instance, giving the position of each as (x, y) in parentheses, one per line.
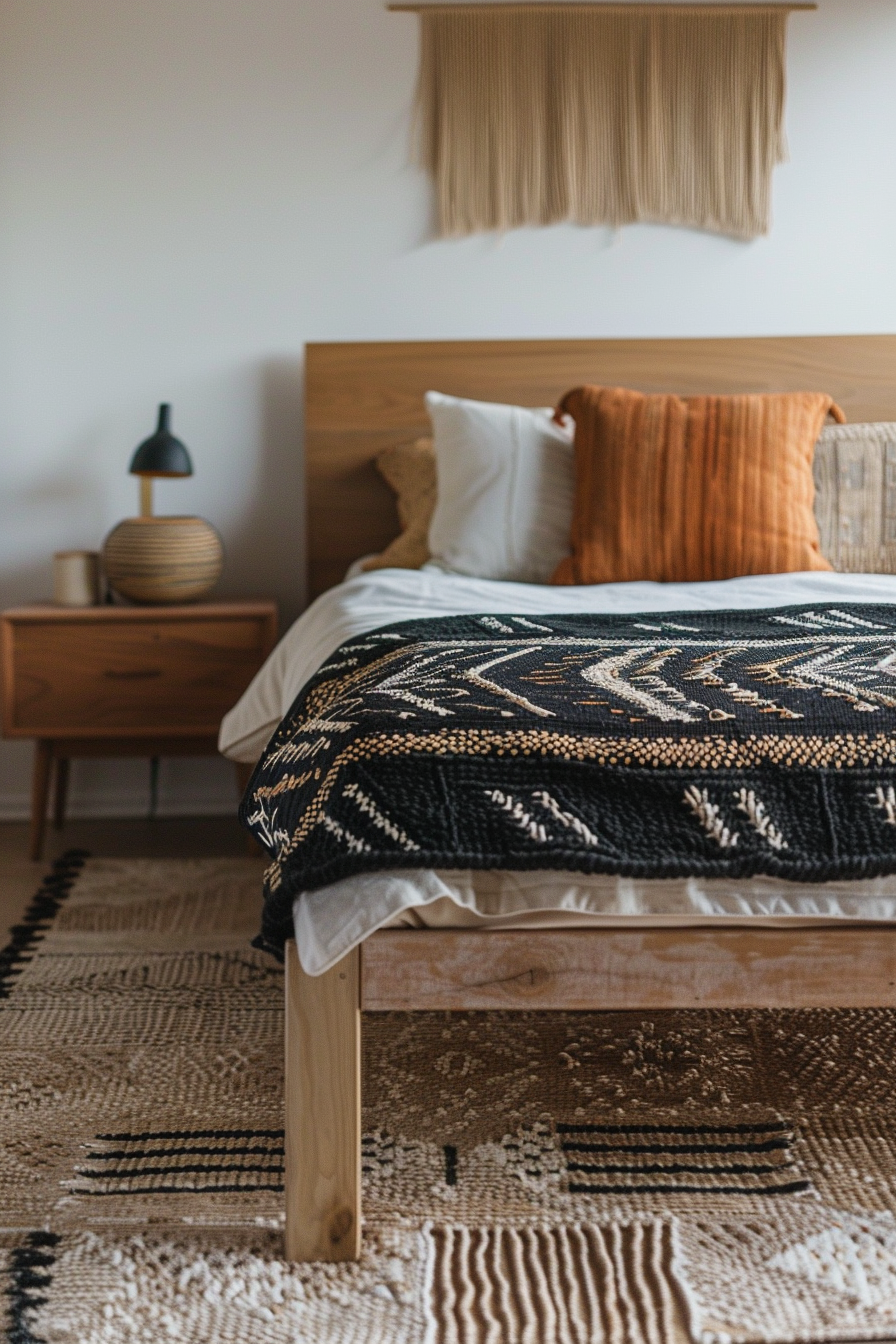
(363, 397)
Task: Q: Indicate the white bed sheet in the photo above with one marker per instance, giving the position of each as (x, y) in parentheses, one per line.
(368, 601)
(331, 921)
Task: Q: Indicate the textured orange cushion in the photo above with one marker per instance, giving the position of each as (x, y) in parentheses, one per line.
(677, 488)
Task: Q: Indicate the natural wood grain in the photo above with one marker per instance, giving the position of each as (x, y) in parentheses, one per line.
(364, 397)
(190, 611)
(78, 748)
(40, 792)
(604, 969)
(130, 678)
(124, 681)
(106, 675)
(323, 1111)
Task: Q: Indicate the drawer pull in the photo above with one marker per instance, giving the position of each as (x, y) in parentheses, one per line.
(137, 674)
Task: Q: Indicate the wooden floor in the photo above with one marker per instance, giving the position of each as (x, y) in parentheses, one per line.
(168, 837)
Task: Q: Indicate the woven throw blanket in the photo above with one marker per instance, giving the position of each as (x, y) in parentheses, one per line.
(719, 743)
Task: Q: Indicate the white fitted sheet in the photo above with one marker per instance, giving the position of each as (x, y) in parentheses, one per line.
(331, 921)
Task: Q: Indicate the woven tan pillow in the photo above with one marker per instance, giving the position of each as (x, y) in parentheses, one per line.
(680, 488)
(855, 497)
(410, 470)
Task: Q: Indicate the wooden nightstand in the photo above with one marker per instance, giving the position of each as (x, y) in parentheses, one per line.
(124, 681)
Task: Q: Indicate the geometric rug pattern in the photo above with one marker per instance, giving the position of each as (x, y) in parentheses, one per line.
(634, 1178)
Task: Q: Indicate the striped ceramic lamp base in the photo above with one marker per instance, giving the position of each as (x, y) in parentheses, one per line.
(163, 559)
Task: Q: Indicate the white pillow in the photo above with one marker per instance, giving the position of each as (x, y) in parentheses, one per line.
(506, 483)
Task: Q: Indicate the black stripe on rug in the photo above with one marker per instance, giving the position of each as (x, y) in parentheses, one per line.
(678, 1169)
(147, 1135)
(29, 1276)
(655, 1149)
(790, 1188)
(42, 910)
(175, 1169)
(378, 1153)
(755, 1158)
(241, 1188)
(765, 1127)
(192, 1150)
(238, 1159)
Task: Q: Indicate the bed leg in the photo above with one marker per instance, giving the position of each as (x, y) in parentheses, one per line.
(323, 1110)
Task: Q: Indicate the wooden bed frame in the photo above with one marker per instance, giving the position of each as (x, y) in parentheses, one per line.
(361, 398)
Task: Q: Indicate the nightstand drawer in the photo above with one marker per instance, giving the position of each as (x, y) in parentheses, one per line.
(137, 676)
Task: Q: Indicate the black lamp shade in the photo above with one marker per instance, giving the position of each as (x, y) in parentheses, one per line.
(162, 454)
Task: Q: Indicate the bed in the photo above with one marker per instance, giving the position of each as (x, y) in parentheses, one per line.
(361, 398)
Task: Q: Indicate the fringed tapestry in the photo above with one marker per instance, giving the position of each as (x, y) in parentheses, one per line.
(531, 115)
(713, 744)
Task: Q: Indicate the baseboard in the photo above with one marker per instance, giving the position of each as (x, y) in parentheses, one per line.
(188, 786)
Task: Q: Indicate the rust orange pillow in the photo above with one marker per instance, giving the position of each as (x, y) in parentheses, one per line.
(678, 488)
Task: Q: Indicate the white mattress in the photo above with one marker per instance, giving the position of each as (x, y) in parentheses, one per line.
(331, 921)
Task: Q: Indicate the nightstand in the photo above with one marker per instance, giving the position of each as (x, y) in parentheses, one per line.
(124, 681)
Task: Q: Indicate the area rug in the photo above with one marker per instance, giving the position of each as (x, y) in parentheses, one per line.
(576, 1178)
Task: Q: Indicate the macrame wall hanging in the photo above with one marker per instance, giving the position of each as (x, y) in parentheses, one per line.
(601, 114)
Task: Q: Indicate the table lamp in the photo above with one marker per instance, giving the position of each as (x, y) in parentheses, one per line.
(162, 558)
(159, 455)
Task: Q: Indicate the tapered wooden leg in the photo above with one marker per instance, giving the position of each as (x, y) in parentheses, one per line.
(40, 790)
(60, 792)
(323, 1111)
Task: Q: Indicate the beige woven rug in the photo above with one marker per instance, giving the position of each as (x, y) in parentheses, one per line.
(579, 1178)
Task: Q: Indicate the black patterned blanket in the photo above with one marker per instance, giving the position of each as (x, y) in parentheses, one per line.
(720, 743)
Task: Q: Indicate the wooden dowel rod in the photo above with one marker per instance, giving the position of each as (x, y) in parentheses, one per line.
(553, 5)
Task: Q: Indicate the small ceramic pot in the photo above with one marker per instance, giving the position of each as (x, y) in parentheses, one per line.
(76, 578)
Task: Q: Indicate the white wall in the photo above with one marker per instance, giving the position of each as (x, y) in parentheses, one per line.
(191, 189)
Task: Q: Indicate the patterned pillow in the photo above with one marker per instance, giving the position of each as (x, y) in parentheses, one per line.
(855, 497)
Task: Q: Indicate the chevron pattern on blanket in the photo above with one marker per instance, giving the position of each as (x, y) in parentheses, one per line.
(708, 743)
